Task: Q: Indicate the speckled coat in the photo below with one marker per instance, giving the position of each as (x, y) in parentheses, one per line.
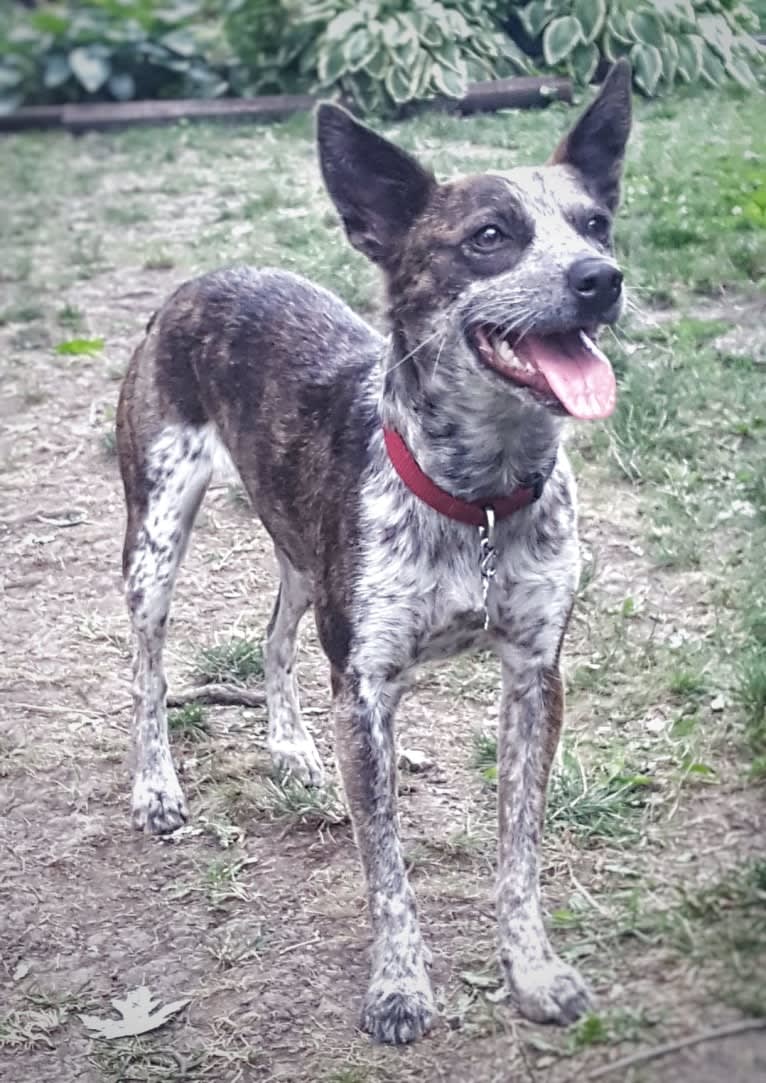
(296, 389)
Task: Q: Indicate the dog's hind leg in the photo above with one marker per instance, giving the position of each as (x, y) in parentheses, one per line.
(164, 485)
(292, 747)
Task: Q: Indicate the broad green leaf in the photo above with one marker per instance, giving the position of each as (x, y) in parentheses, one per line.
(9, 77)
(456, 25)
(717, 33)
(447, 81)
(583, 62)
(560, 38)
(181, 42)
(689, 57)
(449, 56)
(396, 33)
(332, 62)
(647, 67)
(712, 69)
(677, 13)
(339, 27)
(50, 22)
(510, 51)
(590, 14)
(398, 84)
(9, 102)
(612, 47)
(91, 70)
(740, 71)
(669, 60)
(76, 346)
(378, 63)
(358, 49)
(617, 24)
(645, 28)
(57, 70)
(534, 18)
(175, 63)
(407, 51)
(122, 87)
(421, 74)
(428, 29)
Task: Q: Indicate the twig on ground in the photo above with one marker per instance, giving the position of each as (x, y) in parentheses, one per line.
(221, 695)
(673, 1047)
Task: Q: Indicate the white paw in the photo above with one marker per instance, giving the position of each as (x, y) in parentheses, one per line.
(158, 804)
(401, 1011)
(548, 992)
(298, 759)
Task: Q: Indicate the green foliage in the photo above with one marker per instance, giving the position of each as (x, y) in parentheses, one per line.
(237, 660)
(74, 347)
(189, 721)
(752, 681)
(103, 50)
(666, 41)
(380, 54)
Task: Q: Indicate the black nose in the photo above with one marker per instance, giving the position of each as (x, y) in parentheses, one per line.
(596, 283)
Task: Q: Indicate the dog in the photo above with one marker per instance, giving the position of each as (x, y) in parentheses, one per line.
(414, 486)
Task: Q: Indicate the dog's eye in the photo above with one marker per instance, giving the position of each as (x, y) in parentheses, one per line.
(488, 237)
(597, 226)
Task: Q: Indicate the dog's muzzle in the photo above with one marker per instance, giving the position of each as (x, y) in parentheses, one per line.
(597, 285)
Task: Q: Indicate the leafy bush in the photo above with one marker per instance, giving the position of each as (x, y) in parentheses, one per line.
(667, 41)
(379, 53)
(109, 50)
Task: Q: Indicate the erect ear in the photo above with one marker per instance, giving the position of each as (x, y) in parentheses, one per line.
(596, 144)
(379, 190)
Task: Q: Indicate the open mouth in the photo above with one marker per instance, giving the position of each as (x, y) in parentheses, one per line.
(567, 366)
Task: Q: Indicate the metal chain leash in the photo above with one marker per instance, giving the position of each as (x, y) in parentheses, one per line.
(487, 558)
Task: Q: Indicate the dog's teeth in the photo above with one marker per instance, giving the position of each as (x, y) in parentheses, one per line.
(504, 349)
(591, 346)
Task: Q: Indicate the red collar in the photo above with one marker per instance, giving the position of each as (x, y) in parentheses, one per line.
(472, 512)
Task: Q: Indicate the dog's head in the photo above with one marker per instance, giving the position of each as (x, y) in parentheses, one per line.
(511, 274)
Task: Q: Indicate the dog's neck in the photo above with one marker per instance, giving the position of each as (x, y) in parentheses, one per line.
(468, 436)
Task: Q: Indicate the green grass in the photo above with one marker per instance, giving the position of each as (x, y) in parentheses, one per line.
(609, 804)
(238, 660)
(752, 673)
(605, 804)
(307, 806)
(189, 721)
(22, 313)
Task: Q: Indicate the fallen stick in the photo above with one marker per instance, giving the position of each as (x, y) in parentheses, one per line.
(219, 695)
(673, 1047)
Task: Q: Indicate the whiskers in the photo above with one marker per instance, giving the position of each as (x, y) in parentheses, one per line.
(516, 312)
(423, 342)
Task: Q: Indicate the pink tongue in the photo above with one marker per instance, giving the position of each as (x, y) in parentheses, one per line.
(577, 372)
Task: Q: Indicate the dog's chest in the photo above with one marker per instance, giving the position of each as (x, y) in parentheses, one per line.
(420, 592)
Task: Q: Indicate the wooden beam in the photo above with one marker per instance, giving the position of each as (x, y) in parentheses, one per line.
(523, 92)
(520, 92)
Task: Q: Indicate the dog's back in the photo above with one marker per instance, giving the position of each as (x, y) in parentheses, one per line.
(235, 347)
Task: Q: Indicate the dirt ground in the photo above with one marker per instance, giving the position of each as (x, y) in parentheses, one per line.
(257, 919)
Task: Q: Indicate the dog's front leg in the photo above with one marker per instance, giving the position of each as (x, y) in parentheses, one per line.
(399, 1005)
(531, 713)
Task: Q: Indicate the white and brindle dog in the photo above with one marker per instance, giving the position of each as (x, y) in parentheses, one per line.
(414, 486)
